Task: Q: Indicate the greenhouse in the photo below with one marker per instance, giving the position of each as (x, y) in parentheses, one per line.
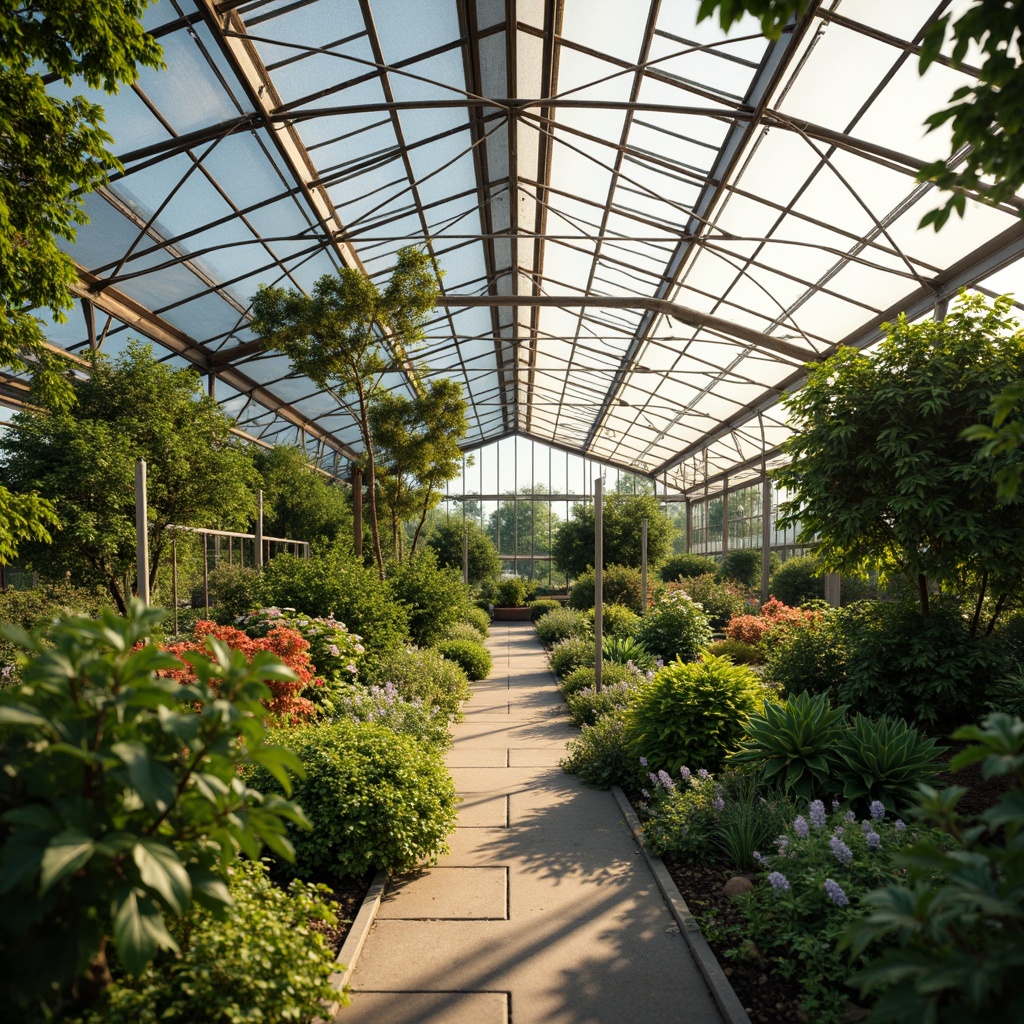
(547, 471)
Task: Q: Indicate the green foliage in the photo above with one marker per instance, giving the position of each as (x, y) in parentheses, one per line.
(262, 964)
(798, 580)
(120, 798)
(386, 706)
(24, 517)
(674, 627)
(1006, 693)
(811, 660)
(473, 658)
(446, 540)
(572, 653)
(299, 502)
(687, 565)
(478, 619)
(625, 650)
(560, 624)
(721, 600)
(621, 585)
(790, 745)
(747, 822)
(692, 713)
(426, 676)
(580, 678)
(131, 407)
(929, 670)
(511, 592)
(743, 566)
(885, 760)
(434, 598)
(464, 631)
(543, 605)
(737, 652)
(332, 336)
(1005, 437)
(522, 523)
(235, 590)
(616, 620)
(338, 586)
(880, 472)
(954, 952)
(681, 815)
(377, 799)
(573, 548)
(599, 755)
(587, 705)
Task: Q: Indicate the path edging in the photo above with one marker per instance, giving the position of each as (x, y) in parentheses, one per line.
(723, 993)
(353, 944)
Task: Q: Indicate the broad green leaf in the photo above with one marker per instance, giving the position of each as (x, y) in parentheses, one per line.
(64, 855)
(153, 780)
(161, 870)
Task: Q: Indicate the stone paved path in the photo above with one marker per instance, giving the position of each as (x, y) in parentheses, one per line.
(544, 912)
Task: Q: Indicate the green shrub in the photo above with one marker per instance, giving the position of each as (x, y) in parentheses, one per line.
(674, 627)
(464, 631)
(616, 620)
(743, 566)
(386, 706)
(120, 797)
(478, 619)
(510, 592)
(928, 670)
(260, 963)
(687, 565)
(792, 745)
(626, 651)
(586, 706)
(474, 658)
(543, 605)
(376, 799)
(692, 713)
(599, 756)
(720, 599)
(336, 586)
(434, 598)
(621, 585)
(580, 678)
(1006, 693)
(737, 652)
(426, 676)
(809, 660)
(570, 654)
(798, 580)
(885, 761)
(560, 624)
(235, 590)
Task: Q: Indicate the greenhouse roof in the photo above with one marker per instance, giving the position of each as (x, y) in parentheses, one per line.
(646, 227)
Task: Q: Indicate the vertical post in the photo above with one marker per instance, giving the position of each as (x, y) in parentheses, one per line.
(766, 536)
(357, 511)
(689, 526)
(141, 531)
(259, 529)
(725, 518)
(643, 564)
(206, 573)
(833, 586)
(598, 584)
(174, 577)
(465, 555)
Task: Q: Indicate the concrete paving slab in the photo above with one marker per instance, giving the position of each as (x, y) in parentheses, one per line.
(498, 780)
(447, 893)
(426, 1008)
(473, 846)
(472, 711)
(515, 733)
(477, 757)
(535, 757)
(482, 810)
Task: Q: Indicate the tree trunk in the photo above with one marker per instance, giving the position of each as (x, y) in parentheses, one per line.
(115, 593)
(995, 613)
(371, 477)
(978, 604)
(922, 592)
(423, 518)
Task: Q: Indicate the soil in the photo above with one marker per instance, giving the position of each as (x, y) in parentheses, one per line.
(345, 898)
(769, 999)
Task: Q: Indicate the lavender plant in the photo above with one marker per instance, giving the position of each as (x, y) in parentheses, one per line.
(385, 705)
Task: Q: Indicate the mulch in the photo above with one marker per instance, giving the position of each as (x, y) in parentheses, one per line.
(345, 898)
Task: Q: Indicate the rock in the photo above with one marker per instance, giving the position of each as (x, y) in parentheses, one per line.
(737, 885)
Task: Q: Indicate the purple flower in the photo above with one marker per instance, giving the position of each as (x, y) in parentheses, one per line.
(684, 772)
(874, 840)
(333, 648)
(898, 825)
(850, 816)
(817, 814)
(866, 825)
(843, 853)
(838, 830)
(760, 858)
(653, 778)
(835, 806)
(719, 803)
(779, 881)
(800, 826)
(665, 779)
(877, 810)
(781, 843)
(646, 795)
(702, 773)
(643, 762)
(835, 893)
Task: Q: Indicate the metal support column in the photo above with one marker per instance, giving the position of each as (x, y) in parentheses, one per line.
(141, 532)
(643, 565)
(766, 537)
(598, 583)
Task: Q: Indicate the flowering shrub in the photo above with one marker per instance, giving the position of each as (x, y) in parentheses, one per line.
(333, 650)
(586, 706)
(285, 701)
(775, 619)
(720, 599)
(674, 627)
(385, 705)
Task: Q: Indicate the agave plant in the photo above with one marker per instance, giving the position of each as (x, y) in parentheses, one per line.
(790, 744)
(625, 649)
(885, 760)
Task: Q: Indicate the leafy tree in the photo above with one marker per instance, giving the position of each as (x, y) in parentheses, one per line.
(880, 471)
(334, 337)
(134, 407)
(299, 502)
(417, 441)
(573, 548)
(984, 117)
(446, 539)
(51, 152)
(519, 526)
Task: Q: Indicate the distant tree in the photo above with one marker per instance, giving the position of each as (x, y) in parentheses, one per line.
(417, 444)
(445, 537)
(334, 337)
(298, 501)
(880, 471)
(133, 407)
(573, 548)
(523, 526)
(52, 151)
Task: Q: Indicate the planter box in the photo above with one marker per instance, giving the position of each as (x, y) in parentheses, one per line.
(524, 614)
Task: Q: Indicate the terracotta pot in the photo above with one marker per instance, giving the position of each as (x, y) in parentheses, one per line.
(523, 614)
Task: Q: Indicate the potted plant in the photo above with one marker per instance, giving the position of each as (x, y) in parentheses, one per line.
(510, 600)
